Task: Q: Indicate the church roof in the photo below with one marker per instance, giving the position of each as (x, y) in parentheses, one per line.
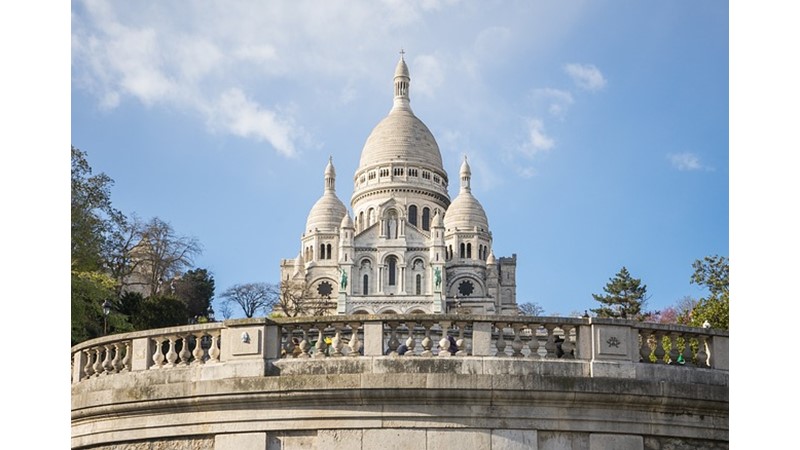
(328, 211)
(401, 136)
(466, 212)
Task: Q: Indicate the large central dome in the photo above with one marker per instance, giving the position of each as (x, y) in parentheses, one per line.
(401, 154)
(401, 137)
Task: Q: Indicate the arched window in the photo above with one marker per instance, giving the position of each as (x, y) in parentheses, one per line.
(412, 215)
(366, 285)
(392, 270)
(449, 254)
(321, 251)
(419, 284)
(469, 250)
(462, 253)
(328, 249)
(361, 221)
(426, 219)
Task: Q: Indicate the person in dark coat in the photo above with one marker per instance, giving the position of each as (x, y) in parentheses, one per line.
(453, 346)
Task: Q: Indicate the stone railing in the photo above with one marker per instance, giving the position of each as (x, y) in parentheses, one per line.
(152, 349)
(619, 343)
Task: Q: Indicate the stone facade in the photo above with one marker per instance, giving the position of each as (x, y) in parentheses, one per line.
(407, 248)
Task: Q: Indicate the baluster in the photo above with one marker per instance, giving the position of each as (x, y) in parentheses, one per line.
(393, 342)
(411, 341)
(185, 354)
(107, 360)
(289, 346)
(158, 354)
(567, 346)
(355, 343)
(305, 346)
(659, 351)
(534, 342)
(88, 369)
(687, 349)
(213, 350)
(198, 354)
(516, 344)
(172, 355)
(336, 343)
(550, 345)
(673, 348)
(702, 356)
(116, 363)
(444, 344)
(460, 342)
(320, 347)
(98, 362)
(644, 350)
(126, 362)
(501, 341)
(427, 342)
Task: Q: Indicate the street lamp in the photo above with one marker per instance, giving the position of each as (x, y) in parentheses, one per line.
(106, 312)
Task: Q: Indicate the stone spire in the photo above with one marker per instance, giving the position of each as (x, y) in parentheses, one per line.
(402, 82)
(330, 176)
(466, 175)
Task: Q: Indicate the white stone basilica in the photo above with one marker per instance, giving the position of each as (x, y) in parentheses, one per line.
(407, 248)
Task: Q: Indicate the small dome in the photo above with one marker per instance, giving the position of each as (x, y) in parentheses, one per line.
(466, 213)
(491, 259)
(327, 213)
(347, 222)
(437, 220)
(401, 70)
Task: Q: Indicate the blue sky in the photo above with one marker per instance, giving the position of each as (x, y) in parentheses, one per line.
(605, 194)
(597, 131)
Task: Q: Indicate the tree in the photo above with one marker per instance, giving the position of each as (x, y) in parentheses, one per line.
(679, 313)
(91, 214)
(625, 297)
(530, 309)
(296, 299)
(251, 297)
(196, 289)
(159, 256)
(159, 312)
(713, 273)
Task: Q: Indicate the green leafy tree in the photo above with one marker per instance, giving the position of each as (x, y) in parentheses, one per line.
(159, 312)
(196, 289)
(92, 215)
(712, 272)
(625, 297)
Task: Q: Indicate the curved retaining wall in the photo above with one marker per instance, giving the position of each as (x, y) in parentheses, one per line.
(252, 398)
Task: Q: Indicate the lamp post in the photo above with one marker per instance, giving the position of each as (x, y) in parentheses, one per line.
(106, 312)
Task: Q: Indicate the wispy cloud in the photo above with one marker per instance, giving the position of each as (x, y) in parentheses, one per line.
(558, 101)
(428, 75)
(538, 141)
(686, 161)
(245, 118)
(586, 76)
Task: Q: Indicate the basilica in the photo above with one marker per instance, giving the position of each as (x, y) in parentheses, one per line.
(407, 247)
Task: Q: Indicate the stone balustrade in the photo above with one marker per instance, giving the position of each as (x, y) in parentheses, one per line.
(418, 335)
(404, 381)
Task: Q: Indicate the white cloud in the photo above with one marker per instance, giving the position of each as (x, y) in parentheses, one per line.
(686, 161)
(246, 118)
(538, 141)
(428, 75)
(558, 101)
(586, 76)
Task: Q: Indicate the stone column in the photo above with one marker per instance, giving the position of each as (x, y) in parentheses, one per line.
(373, 338)
(481, 338)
